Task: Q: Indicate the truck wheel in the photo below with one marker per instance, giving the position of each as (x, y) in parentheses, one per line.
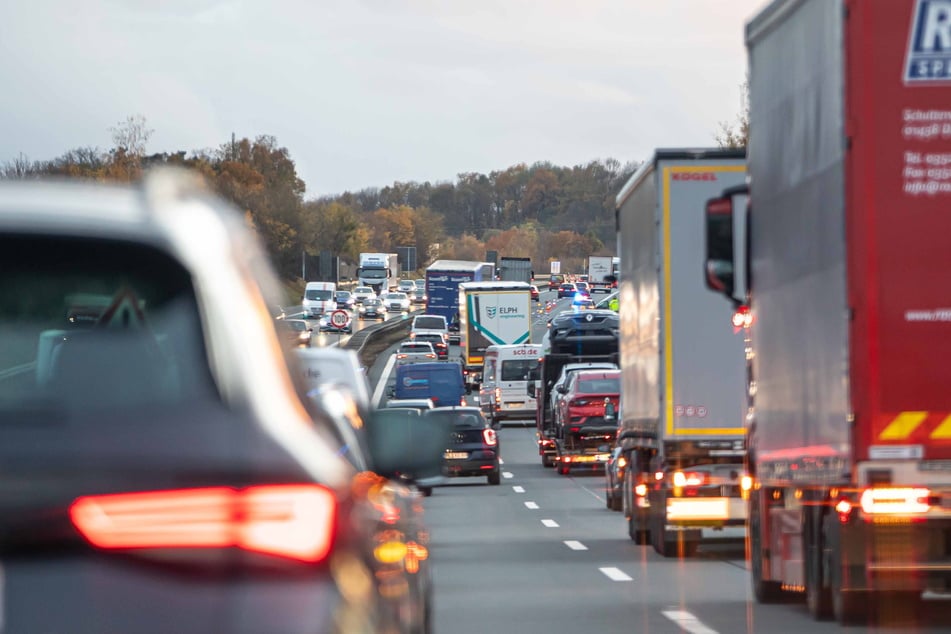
(638, 536)
(764, 591)
(564, 469)
(615, 502)
(818, 598)
(547, 461)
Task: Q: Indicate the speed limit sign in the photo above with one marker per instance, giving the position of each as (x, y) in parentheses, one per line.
(339, 318)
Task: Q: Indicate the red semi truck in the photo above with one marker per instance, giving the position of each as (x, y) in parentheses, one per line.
(843, 262)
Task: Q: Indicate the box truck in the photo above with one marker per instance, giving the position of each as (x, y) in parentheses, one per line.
(443, 278)
(498, 313)
(516, 270)
(600, 273)
(844, 291)
(681, 408)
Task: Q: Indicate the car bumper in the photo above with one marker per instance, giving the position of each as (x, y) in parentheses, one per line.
(478, 463)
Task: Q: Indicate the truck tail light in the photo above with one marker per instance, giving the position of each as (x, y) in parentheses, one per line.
(295, 521)
(743, 317)
(746, 483)
(640, 490)
(899, 500)
(489, 437)
(621, 462)
(688, 479)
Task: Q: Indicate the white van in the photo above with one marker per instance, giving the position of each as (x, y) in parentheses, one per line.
(319, 298)
(504, 391)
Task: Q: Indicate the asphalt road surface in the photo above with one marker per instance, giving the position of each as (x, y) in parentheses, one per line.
(542, 554)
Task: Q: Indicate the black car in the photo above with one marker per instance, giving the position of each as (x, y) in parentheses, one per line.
(568, 289)
(589, 332)
(473, 449)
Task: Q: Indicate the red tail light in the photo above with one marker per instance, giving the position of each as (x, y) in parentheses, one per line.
(689, 479)
(294, 521)
(490, 437)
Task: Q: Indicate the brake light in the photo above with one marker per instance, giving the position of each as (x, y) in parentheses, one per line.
(621, 462)
(746, 483)
(489, 437)
(430, 355)
(401, 356)
(743, 317)
(294, 521)
(896, 500)
(688, 479)
(640, 490)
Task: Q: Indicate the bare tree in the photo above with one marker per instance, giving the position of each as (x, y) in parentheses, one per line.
(19, 168)
(737, 133)
(131, 135)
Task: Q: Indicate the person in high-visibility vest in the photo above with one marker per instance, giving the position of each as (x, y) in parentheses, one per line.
(613, 304)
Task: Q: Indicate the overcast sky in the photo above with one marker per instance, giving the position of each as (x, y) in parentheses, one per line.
(366, 92)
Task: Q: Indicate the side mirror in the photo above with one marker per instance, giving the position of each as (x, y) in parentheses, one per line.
(562, 389)
(725, 264)
(404, 444)
(531, 390)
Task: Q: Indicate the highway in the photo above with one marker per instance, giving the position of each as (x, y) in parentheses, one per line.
(541, 554)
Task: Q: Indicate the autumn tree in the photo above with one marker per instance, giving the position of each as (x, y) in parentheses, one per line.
(737, 133)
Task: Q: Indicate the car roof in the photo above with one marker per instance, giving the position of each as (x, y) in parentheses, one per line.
(606, 373)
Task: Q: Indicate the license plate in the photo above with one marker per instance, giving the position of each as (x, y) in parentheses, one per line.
(515, 405)
(456, 455)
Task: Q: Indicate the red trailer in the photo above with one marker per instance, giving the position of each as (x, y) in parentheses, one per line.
(844, 263)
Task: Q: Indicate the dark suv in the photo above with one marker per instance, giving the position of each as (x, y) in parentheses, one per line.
(588, 332)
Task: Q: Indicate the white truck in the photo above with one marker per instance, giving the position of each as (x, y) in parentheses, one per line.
(681, 427)
(600, 273)
(492, 313)
(379, 271)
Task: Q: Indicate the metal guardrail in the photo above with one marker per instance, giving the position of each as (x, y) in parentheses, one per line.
(359, 340)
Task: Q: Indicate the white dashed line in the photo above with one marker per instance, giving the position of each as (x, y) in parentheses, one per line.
(550, 523)
(531, 505)
(575, 545)
(615, 574)
(507, 474)
(501, 461)
(688, 622)
(518, 489)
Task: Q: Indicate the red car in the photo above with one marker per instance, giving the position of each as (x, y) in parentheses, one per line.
(583, 399)
(535, 294)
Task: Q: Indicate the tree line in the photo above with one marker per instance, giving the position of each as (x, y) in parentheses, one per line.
(542, 211)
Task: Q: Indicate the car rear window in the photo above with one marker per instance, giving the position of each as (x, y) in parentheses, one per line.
(433, 338)
(518, 369)
(93, 324)
(599, 386)
(427, 323)
(464, 418)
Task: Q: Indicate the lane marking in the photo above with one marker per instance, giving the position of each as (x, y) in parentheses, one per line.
(384, 377)
(615, 574)
(688, 622)
(506, 474)
(531, 505)
(518, 489)
(575, 545)
(550, 523)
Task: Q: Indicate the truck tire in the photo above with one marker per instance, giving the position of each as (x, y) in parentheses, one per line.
(818, 597)
(848, 607)
(640, 537)
(547, 462)
(764, 591)
(564, 469)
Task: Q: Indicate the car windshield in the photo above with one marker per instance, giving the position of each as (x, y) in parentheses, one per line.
(363, 290)
(518, 369)
(396, 296)
(372, 302)
(342, 295)
(598, 386)
(96, 325)
(435, 337)
(318, 294)
(427, 322)
(374, 274)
